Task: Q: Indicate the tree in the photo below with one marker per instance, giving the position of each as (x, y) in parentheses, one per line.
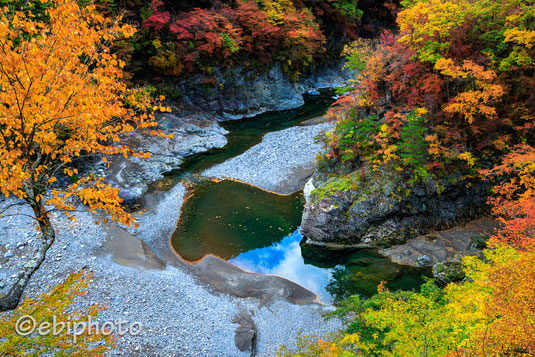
(514, 196)
(491, 313)
(413, 147)
(63, 99)
(55, 306)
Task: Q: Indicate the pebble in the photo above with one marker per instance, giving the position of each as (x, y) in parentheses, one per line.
(8, 255)
(271, 165)
(172, 298)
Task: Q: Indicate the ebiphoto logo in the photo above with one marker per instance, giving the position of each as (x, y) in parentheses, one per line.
(27, 325)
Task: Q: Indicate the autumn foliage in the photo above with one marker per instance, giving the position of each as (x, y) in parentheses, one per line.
(468, 64)
(63, 98)
(451, 91)
(56, 306)
(268, 31)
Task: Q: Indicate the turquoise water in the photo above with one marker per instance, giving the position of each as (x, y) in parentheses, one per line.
(258, 231)
(228, 218)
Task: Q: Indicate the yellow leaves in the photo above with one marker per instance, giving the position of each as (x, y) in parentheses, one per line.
(67, 108)
(424, 24)
(521, 37)
(468, 157)
(476, 103)
(56, 304)
(421, 111)
(68, 172)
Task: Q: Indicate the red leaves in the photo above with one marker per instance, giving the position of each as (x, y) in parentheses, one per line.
(218, 34)
(157, 21)
(514, 199)
(159, 18)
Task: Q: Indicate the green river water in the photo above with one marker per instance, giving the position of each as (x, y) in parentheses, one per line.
(258, 230)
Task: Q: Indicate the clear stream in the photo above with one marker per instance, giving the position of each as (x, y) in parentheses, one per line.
(258, 231)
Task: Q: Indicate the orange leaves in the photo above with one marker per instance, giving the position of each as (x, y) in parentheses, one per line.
(502, 288)
(468, 69)
(477, 102)
(514, 199)
(63, 94)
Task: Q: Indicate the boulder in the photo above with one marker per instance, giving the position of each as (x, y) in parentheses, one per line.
(376, 210)
(190, 135)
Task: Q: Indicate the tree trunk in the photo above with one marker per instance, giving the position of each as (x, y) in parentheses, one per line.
(12, 298)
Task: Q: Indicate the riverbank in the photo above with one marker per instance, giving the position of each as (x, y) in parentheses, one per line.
(281, 163)
(140, 278)
(179, 312)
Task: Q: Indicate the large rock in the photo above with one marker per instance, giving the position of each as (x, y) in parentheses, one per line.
(190, 135)
(443, 246)
(375, 211)
(237, 93)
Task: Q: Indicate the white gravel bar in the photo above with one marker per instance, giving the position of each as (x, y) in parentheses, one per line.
(281, 163)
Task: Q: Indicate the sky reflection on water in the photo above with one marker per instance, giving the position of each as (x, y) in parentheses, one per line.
(285, 259)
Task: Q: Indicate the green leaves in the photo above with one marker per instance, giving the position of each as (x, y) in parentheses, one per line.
(413, 147)
(357, 136)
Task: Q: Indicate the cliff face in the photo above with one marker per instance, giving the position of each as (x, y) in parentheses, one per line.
(243, 93)
(379, 212)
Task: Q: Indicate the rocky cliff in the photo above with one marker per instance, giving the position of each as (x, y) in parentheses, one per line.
(378, 211)
(194, 125)
(237, 92)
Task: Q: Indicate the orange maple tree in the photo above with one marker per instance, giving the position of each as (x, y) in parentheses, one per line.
(62, 98)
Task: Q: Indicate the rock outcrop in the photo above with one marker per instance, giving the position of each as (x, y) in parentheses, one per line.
(443, 246)
(379, 211)
(237, 93)
(190, 135)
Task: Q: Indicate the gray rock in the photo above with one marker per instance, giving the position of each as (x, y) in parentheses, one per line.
(242, 93)
(190, 136)
(448, 272)
(366, 212)
(245, 333)
(423, 260)
(442, 246)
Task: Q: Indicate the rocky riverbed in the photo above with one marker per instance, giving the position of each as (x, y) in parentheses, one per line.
(281, 163)
(191, 134)
(179, 312)
(207, 309)
(192, 310)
